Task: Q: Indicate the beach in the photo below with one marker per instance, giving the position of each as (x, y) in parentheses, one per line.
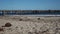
(29, 25)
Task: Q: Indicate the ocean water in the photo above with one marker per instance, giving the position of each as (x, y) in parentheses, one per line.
(30, 13)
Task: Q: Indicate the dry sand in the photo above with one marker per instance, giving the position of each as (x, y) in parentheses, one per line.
(29, 25)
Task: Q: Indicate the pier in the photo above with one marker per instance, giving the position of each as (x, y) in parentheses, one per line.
(29, 12)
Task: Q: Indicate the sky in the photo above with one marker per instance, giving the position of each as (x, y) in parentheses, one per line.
(29, 4)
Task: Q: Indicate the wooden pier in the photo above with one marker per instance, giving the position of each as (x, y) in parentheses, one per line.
(28, 12)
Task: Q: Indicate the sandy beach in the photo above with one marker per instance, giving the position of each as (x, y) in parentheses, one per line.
(29, 25)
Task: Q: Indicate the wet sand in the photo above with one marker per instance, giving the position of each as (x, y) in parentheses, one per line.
(29, 25)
